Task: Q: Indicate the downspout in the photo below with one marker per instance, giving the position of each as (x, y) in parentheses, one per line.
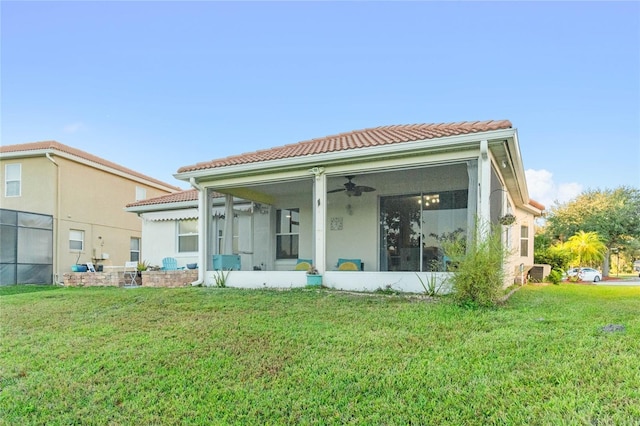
(56, 221)
(201, 231)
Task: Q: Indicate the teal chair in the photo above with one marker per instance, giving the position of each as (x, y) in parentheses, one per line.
(170, 264)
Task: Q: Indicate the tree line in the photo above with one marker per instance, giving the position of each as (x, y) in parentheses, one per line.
(587, 230)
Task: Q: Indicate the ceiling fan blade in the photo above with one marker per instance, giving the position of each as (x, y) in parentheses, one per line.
(335, 190)
(364, 188)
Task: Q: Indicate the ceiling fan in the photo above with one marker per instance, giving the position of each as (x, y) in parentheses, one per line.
(352, 189)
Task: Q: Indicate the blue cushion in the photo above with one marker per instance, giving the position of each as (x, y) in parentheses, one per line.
(302, 266)
(357, 262)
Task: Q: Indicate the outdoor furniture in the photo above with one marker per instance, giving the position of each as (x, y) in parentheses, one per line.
(130, 273)
(226, 262)
(170, 264)
(349, 264)
(303, 264)
(90, 267)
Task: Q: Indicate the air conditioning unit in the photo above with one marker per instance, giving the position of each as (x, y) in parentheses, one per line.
(105, 256)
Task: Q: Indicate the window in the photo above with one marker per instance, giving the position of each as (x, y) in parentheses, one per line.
(141, 193)
(12, 180)
(287, 233)
(187, 236)
(76, 240)
(134, 250)
(524, 241)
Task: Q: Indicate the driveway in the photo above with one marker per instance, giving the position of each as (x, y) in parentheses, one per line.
(621, 282)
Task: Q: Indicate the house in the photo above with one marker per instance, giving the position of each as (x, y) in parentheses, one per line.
(170, 226)
(383, 197)
(62, 206)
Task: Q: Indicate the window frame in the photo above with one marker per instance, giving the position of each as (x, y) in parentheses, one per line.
(524, 240)
(81, 232)
(141, 193)
(7, 181)
(180, 235)
(289, 232)
(132, 250)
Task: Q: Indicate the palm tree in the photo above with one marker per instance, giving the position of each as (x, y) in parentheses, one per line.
(587, 247)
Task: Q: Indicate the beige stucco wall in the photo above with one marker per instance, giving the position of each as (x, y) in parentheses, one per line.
(38, 186)
(80, 197)
(93, 201)
(513, 235)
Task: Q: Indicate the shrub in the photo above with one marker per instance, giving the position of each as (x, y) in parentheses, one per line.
(479, 276)
(432, 286)
(221, 278)
(555, 276)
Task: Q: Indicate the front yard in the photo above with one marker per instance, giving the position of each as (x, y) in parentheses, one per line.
(225, 356)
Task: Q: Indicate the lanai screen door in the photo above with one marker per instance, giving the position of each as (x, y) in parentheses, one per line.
(26, 241)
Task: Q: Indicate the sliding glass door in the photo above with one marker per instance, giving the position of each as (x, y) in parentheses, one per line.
(413, 226)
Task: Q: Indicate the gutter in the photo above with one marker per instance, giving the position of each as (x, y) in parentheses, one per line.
(201, 232)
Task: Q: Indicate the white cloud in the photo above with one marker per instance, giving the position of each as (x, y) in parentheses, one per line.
(544, 190)
(73, 127)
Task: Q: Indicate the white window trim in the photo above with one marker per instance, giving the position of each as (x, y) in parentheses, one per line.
(525, 225)
(141, 193)
(188, 234)
(81, 249)
(135, 251)
(279, 234)
(7, 181)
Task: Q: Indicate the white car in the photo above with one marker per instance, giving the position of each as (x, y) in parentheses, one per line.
(573, 272)
(589, 274)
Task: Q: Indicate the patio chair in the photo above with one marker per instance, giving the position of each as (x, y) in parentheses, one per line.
(90, 267)
(303, 265)
(349, 264)
(130, 273)
(170, 264)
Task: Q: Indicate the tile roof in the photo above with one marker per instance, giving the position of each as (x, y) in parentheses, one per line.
(536, 204)
(176, 197)
(365, 138)
(54, 145)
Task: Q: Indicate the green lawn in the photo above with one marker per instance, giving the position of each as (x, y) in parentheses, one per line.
(227, 356)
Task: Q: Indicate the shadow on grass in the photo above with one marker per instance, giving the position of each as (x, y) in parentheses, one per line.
(8, 290)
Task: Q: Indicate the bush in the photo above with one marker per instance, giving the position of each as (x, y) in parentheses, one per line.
(554, 277)
(479, 276)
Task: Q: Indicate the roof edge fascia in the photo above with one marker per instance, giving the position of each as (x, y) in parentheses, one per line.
(395, 149)
(182, 205)
(78, 159)
(513, 148)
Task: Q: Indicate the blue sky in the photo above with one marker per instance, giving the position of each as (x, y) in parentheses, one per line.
(158, 85)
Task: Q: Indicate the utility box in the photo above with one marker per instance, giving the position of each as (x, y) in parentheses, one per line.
(226, 262)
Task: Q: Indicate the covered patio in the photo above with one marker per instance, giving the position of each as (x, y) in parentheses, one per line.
(385, 197)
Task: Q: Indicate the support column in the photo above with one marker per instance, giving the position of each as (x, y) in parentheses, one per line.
(472, 200)
(228, 225)
(203, 226)
(203, 232)
(320, 218)
(484, 180)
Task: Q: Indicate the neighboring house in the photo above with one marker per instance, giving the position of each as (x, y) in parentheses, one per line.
(385, 196)
(62, 206)
(170, 226)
